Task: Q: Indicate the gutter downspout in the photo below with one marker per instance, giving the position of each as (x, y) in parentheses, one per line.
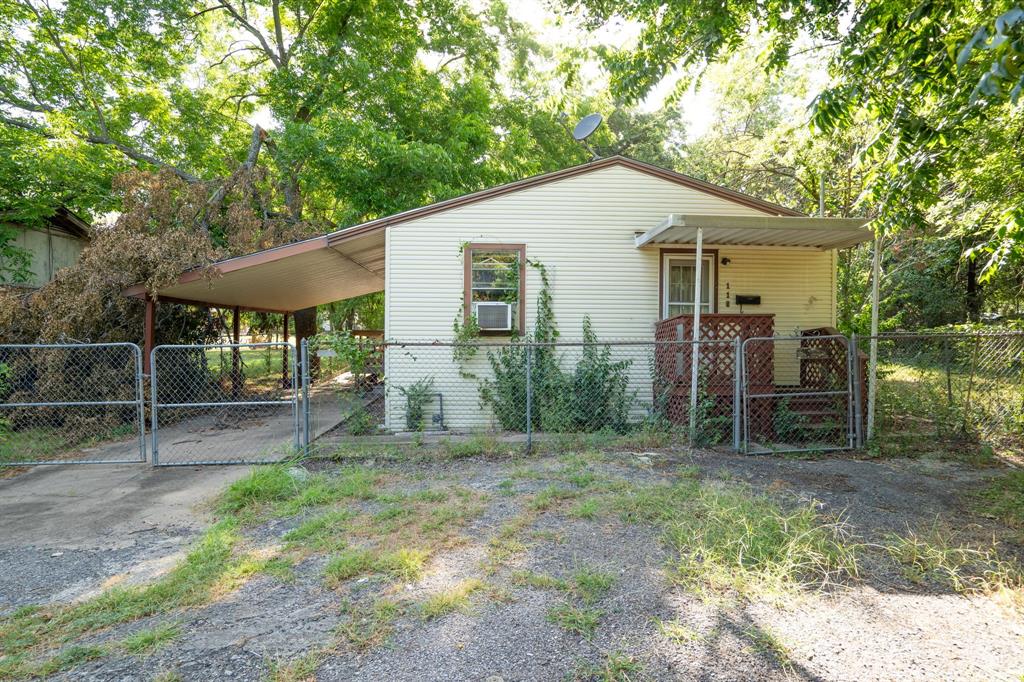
(695, 351)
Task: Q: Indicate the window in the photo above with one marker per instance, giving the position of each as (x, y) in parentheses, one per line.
(679, 274)
(495, 274)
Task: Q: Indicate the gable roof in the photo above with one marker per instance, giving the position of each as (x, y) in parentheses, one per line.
(573, 171)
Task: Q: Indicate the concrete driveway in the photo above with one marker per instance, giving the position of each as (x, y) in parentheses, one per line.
(104, 505)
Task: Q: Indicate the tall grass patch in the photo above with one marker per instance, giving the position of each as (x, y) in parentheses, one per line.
(724, 536)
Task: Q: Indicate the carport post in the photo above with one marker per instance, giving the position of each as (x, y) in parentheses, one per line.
(148, 333)
(876, 270)
(284, 353)
(236, 353)
(695, 355)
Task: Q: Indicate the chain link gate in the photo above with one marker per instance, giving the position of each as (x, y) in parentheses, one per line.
(71, 404)
(225, 404)
(799, 394)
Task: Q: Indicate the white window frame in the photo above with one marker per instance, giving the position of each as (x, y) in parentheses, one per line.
(691, 258)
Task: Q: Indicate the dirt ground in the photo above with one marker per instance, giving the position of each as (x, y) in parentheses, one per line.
(879, 626)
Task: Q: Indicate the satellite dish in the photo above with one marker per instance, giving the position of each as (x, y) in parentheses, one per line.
(586, 127)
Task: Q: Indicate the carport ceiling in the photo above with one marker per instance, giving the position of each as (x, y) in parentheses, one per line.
(284, 279)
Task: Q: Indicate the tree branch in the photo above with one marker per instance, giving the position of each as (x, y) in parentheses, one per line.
(255, 32)
(105, 140)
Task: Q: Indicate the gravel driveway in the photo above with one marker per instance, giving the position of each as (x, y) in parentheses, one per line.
(878, 627)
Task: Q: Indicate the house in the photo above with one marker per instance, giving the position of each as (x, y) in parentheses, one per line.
(626, 245)
(55, 244)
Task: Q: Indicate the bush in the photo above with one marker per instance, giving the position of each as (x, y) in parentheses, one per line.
(592, 397)
(417, 396)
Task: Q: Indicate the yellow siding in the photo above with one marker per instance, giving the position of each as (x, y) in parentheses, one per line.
(581, 229)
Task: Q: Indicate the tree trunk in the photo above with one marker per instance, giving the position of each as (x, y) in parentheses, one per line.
(973, 292)
(305, 327)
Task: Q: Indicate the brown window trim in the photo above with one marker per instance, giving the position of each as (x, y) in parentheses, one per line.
(467, 283)
(710, 253)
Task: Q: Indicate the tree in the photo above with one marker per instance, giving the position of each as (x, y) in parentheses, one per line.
(925, 76)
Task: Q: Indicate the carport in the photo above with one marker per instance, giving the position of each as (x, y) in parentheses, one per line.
(291, 280)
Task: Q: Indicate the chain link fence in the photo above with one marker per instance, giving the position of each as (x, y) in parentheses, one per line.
(947, 391)
(71, 404)
(257, 402)
(224, 404)
(522, 391)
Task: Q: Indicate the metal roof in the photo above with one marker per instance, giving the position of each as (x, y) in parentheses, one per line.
(736, 230)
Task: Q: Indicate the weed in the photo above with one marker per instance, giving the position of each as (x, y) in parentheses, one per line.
(280, 568)
(583, 622)
(615, 667)
(725, 536)
(591, 584)
(551, 495)
(477, 445)
(405, 564)
(540, 581)
(764, 641)
(148, 641)
(348, 565)
(585, 509)
(937, 558)
(367, 627)
(454, 599)
(677, 632)
(506, 488)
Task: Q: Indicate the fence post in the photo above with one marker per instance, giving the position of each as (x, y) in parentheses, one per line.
(305, 396)
(529, 398)
(140, 397)
(858, 407)
(153, 406)
(736, 391)
(292, 361)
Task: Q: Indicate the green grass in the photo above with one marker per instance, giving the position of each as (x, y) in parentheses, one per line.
(540, 581)
(592, 584)
(1003, 499)
(404, 564)
(326, 532)
(148, 641)
(550, 496)
(454, 599)
(583, 622)
(587, 508)
(348, 565)
(290, 490)
(479, 445)
(724, 536)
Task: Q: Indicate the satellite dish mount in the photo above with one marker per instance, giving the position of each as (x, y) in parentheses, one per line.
(584, 129)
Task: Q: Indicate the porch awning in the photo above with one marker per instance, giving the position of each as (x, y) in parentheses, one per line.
(287, 278)
(734, 230)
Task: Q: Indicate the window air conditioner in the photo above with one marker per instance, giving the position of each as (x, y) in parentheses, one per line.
(493, 315)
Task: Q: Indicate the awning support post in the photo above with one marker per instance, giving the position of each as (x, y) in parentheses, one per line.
(695, 336)
(876, 271)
